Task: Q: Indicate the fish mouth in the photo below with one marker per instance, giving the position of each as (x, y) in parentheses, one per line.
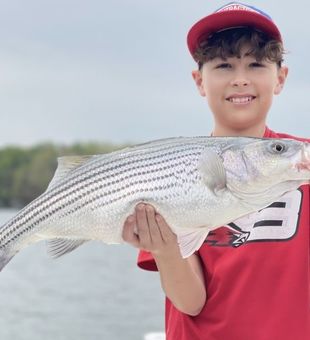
(241, 99)
(304, 164)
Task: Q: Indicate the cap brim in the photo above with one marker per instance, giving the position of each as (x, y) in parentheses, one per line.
(229, 19)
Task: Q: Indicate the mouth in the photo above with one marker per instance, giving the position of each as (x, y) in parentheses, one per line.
(304, 164)
(241, 100)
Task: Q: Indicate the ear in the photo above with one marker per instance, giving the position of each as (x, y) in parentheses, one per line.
(282, 74)
(197, 76)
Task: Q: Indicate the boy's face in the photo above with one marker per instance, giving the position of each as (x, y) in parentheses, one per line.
(239, 91)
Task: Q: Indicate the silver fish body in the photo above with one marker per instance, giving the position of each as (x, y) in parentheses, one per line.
(196, 183)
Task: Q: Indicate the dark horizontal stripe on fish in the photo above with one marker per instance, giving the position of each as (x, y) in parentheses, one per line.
(22, 231)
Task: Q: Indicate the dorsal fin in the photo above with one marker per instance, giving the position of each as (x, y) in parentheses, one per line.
(65, 165)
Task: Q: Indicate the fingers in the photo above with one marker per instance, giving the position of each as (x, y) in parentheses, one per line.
(128, 233)
(142, 226)
(154, 229)
(147, 230)
(166, 232)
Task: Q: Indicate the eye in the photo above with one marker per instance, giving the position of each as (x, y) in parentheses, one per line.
(223, 65)
(256, 64)
(278, 148)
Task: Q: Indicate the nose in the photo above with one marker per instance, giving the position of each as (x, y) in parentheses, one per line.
(240, 80)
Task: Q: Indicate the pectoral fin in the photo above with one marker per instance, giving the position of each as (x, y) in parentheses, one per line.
(212, 170)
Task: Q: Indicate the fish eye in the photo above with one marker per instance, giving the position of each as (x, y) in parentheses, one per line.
(278, 147)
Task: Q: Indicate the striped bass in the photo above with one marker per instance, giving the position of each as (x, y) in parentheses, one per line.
(196, 183)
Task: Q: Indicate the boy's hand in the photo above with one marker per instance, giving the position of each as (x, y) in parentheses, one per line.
(182, 279)
(147, 230)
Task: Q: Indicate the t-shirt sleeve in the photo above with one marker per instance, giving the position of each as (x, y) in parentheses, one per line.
(271, 134)
(146, 261)
(302, 139)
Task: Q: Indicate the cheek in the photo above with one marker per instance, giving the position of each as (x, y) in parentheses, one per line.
(267, 89)
(213, 90)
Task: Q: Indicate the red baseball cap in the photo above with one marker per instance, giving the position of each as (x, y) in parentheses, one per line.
(233, 14)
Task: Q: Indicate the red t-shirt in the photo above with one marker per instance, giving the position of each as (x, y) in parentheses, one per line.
(258, 288)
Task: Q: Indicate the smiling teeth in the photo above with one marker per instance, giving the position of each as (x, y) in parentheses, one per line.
(240, 100)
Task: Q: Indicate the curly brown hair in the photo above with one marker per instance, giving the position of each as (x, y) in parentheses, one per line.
(229, 43)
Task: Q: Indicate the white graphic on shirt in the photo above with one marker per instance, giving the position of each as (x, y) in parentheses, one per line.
(278, 221)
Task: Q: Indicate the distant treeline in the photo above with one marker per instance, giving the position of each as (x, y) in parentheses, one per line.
(26, 172)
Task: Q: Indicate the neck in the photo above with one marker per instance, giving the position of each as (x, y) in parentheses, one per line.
(256, 131)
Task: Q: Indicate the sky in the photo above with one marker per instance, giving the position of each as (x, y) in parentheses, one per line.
(119, 71)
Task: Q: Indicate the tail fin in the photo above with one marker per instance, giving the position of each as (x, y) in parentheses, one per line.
(5, 256)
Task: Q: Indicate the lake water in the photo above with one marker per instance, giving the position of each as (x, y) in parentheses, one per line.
(95, 293)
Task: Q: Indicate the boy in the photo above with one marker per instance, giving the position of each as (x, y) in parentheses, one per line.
(235, 288)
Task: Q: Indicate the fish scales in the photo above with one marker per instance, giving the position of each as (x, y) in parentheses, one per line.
(80, 185)
(196, 183)
(102, 169)
(93, 179)
(80, 179)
